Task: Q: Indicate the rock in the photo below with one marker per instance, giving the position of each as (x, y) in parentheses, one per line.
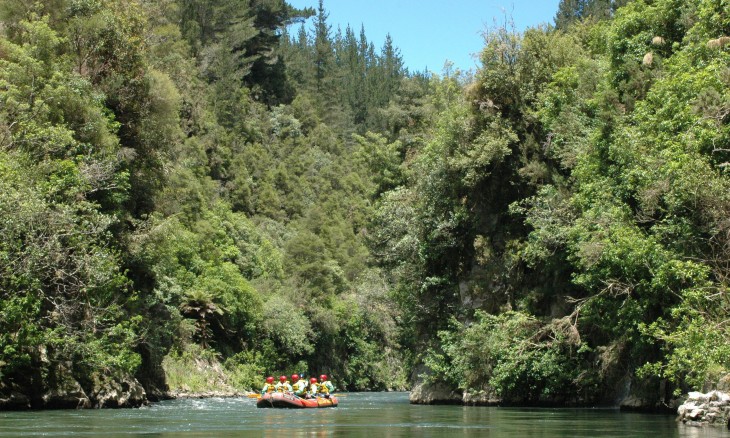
(64, 391)
(481, 398)
(695, 414)
(723, 384)
(632, 402)
(712, 408)
(434, 393)
(117, 393)
(647, 395)
(14, 401)
(71, 396)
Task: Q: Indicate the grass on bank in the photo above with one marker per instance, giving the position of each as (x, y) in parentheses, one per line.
(194, 369)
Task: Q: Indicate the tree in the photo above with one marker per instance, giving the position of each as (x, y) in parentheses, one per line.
(201, 305)
(323, 52)
(570, 11)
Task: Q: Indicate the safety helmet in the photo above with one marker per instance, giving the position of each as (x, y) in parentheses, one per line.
(323, 377)
(313, 380)
(282, 379)
(295, 377)
(270, 379)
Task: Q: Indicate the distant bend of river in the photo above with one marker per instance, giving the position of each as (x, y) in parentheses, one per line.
(359, 414)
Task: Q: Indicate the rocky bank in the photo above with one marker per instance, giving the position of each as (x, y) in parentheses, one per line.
(70, 394)
(626, 393)
(700, 409)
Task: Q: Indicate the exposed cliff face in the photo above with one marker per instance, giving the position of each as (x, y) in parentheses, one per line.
(647, 395)
(125, 392)
(435, 394)
(53, 384)
(63, 391)
(626, 392)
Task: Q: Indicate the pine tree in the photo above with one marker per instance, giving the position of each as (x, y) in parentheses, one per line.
(324, 55)
(570, 11)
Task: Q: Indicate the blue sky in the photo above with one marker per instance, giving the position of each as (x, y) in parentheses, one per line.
(429, 32)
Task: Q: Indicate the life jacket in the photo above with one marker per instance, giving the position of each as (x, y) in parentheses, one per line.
(323, 389)
(300, 387)
(268, 388)
(283, 386)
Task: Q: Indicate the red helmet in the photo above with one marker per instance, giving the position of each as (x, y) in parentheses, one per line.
(269, 379)
(295, 377)
(323, 377)
(313, 380)
(282, 379)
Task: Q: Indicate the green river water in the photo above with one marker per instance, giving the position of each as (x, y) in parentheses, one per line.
(359, 415)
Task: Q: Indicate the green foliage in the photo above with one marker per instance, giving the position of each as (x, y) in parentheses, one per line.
(512, 354)
(196, 370)
(288, 326)
(697, 351)
(382, 160)
(62, 184)
(243, 370)
(577, 176)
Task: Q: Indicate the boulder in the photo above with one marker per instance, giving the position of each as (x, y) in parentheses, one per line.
(700, 409)
(62, 390)
(724, 384)
(120, 392)
(435, 393)
(647, 395)
(69, 396)
(481, 398)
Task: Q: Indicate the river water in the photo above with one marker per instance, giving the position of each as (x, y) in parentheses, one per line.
(369, 415)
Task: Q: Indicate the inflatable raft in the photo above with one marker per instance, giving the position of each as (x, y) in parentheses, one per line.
(283, 400)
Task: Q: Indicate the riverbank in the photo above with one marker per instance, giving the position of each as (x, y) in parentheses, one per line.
(180, 378)
(698, 409)
(441, 394)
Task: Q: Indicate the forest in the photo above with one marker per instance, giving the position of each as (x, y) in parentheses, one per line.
(196, 194)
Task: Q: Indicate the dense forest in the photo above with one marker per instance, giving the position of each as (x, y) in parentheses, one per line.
(196, 194)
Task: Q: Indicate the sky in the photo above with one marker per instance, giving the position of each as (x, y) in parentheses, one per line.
(430, 32)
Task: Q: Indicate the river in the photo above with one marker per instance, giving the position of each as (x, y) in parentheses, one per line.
(359, 414)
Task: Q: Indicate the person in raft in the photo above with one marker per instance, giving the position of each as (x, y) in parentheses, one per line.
(268, 386)
(325, 386)
(313, 388)
(299, 386)
(283, 385)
